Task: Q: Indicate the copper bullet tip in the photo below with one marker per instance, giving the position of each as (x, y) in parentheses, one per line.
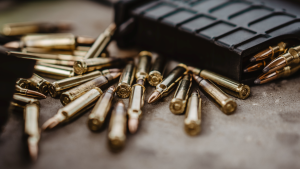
(133, 124)
(13, 45)
(33, 151)
(253, 59)
(36, 94)
(51, 123)
(257, 81)
(154, 97)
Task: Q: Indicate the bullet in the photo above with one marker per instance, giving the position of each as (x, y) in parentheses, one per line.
(222, 100)
(192, 121)
(166, 86)
(72, 94)
(57, 41)
(89, 65)
(29, 93)
(101, 42)
(22, 100)
(156, 73)
(124, 86)
(289, 58)
(39, 84)
(74, 109)
(101, 109)
(53, 71)
(178, 103)
(235, 88)
(15, 29)
(143, 66)
(285, 72)
(24, 83)
(257, 66)
(117, 127)
(31, 116)
(269, 53)
(60, 86)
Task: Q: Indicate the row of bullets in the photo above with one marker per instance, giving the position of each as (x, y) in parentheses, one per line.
(276, 62)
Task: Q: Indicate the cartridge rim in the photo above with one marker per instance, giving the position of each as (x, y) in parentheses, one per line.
(244, 91)
(79, 67)
(229, 106)
(53, 90)
(64, 99)
(123, 90)
(95, 124)
(44, 87)
(192, 127)
(155, 78)
(177, 106)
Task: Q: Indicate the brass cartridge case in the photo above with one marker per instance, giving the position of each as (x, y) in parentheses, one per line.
(136, 102)
(222, 100)
(77, 107)
(171, 80)
(101, 42)
(56, 88)
(15, 29)
(124, 86)
(39, 84)
(143, 65)
(178, 103)
(24, 83)
(233, 88)
(192, 121)
(78, 52)
(45, 56)
(156, 73)
(101, 109)
(22, 100)
(117, 127)
(74, 93)
(89, 65)
(54, 71)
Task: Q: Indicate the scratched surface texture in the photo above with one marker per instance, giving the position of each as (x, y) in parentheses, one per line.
(263, 133)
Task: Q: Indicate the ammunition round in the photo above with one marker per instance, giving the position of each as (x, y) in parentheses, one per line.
(124, 86)
(156, 74)
(243, 91)
(192, 120)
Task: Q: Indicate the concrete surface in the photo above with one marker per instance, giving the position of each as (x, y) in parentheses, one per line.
(263, 133)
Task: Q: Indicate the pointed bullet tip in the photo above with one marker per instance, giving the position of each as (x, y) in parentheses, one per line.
(154, 97)
(266, 70)
(245, 70)
(133, 125)
(51, 123)
(33, 151)
(257, 81)
(253, 59)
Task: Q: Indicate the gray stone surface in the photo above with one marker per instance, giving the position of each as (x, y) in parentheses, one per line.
(263, 133)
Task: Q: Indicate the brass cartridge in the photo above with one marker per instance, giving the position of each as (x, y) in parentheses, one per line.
(270, 53)
(156, 73)
(29, 93)
(24, 83)
(192, 121)
(15, 29)
(101, 109)
(178, 103)
(233, 87)
(143, 66)
(166, 86)
(39, 84)
(72, 94)
(31, 116)
(222, 100)
(101, 42)
(89, 65)
(45, 56)
(22, 100)
(124, 86)
(117, 127)
(74, 109)
(80, 51)
(54, 71)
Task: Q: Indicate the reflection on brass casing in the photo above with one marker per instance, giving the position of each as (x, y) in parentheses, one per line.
(192, 121)
(24, 83)
(78, 106)
(89, 65)
(136, 101)
(22, 100)
(39, 84)
(156, 73)
(124, 86)
(143, 65)
(74, 93)
(292, 56)
(236, 89)
(53, 71)
(57, 41)
(15, 29)
(101, 42)
(31, 116)
(56, 88)
(178, 103)
(101, 109)
(171, 80)
(225, 103)
(117, 127)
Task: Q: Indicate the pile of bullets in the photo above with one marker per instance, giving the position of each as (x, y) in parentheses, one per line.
(81, 86)
(278, 61)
